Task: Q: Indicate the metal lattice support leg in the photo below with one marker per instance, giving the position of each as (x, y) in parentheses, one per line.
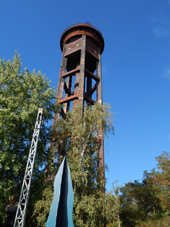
(26, 185)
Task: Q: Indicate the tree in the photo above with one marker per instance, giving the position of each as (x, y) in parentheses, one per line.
(76, 136)
(160, 181)
(147, 204)
(113, 206)
(21, 94)
(138, 201)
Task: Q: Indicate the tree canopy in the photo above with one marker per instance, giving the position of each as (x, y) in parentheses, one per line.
(21, 94)
(147, 204)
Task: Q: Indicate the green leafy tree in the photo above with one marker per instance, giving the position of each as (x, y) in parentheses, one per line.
(21, 94)
(147, 204)
(113, 206)
(76, 136)
(160, 180)
(138, 202)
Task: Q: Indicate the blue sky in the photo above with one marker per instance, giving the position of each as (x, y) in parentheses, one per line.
(135, 66)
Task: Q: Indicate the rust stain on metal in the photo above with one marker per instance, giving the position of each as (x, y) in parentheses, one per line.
(89, 99)
(69, 98)
(71, 72)
(92, 75)
(82, 29)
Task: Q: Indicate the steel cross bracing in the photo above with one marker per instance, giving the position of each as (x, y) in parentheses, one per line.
(26, 185)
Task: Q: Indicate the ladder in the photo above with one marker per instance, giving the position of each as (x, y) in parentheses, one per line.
(26, 185)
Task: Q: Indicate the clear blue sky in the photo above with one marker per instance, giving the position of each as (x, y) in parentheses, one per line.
(135, 65)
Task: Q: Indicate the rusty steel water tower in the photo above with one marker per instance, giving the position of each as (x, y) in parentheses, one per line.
(80, 78)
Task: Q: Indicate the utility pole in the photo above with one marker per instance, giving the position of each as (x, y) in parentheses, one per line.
(26, 185)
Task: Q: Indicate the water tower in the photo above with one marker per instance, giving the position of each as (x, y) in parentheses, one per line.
(80, 78)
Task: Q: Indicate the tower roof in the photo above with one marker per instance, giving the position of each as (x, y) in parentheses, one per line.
(82, 29)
